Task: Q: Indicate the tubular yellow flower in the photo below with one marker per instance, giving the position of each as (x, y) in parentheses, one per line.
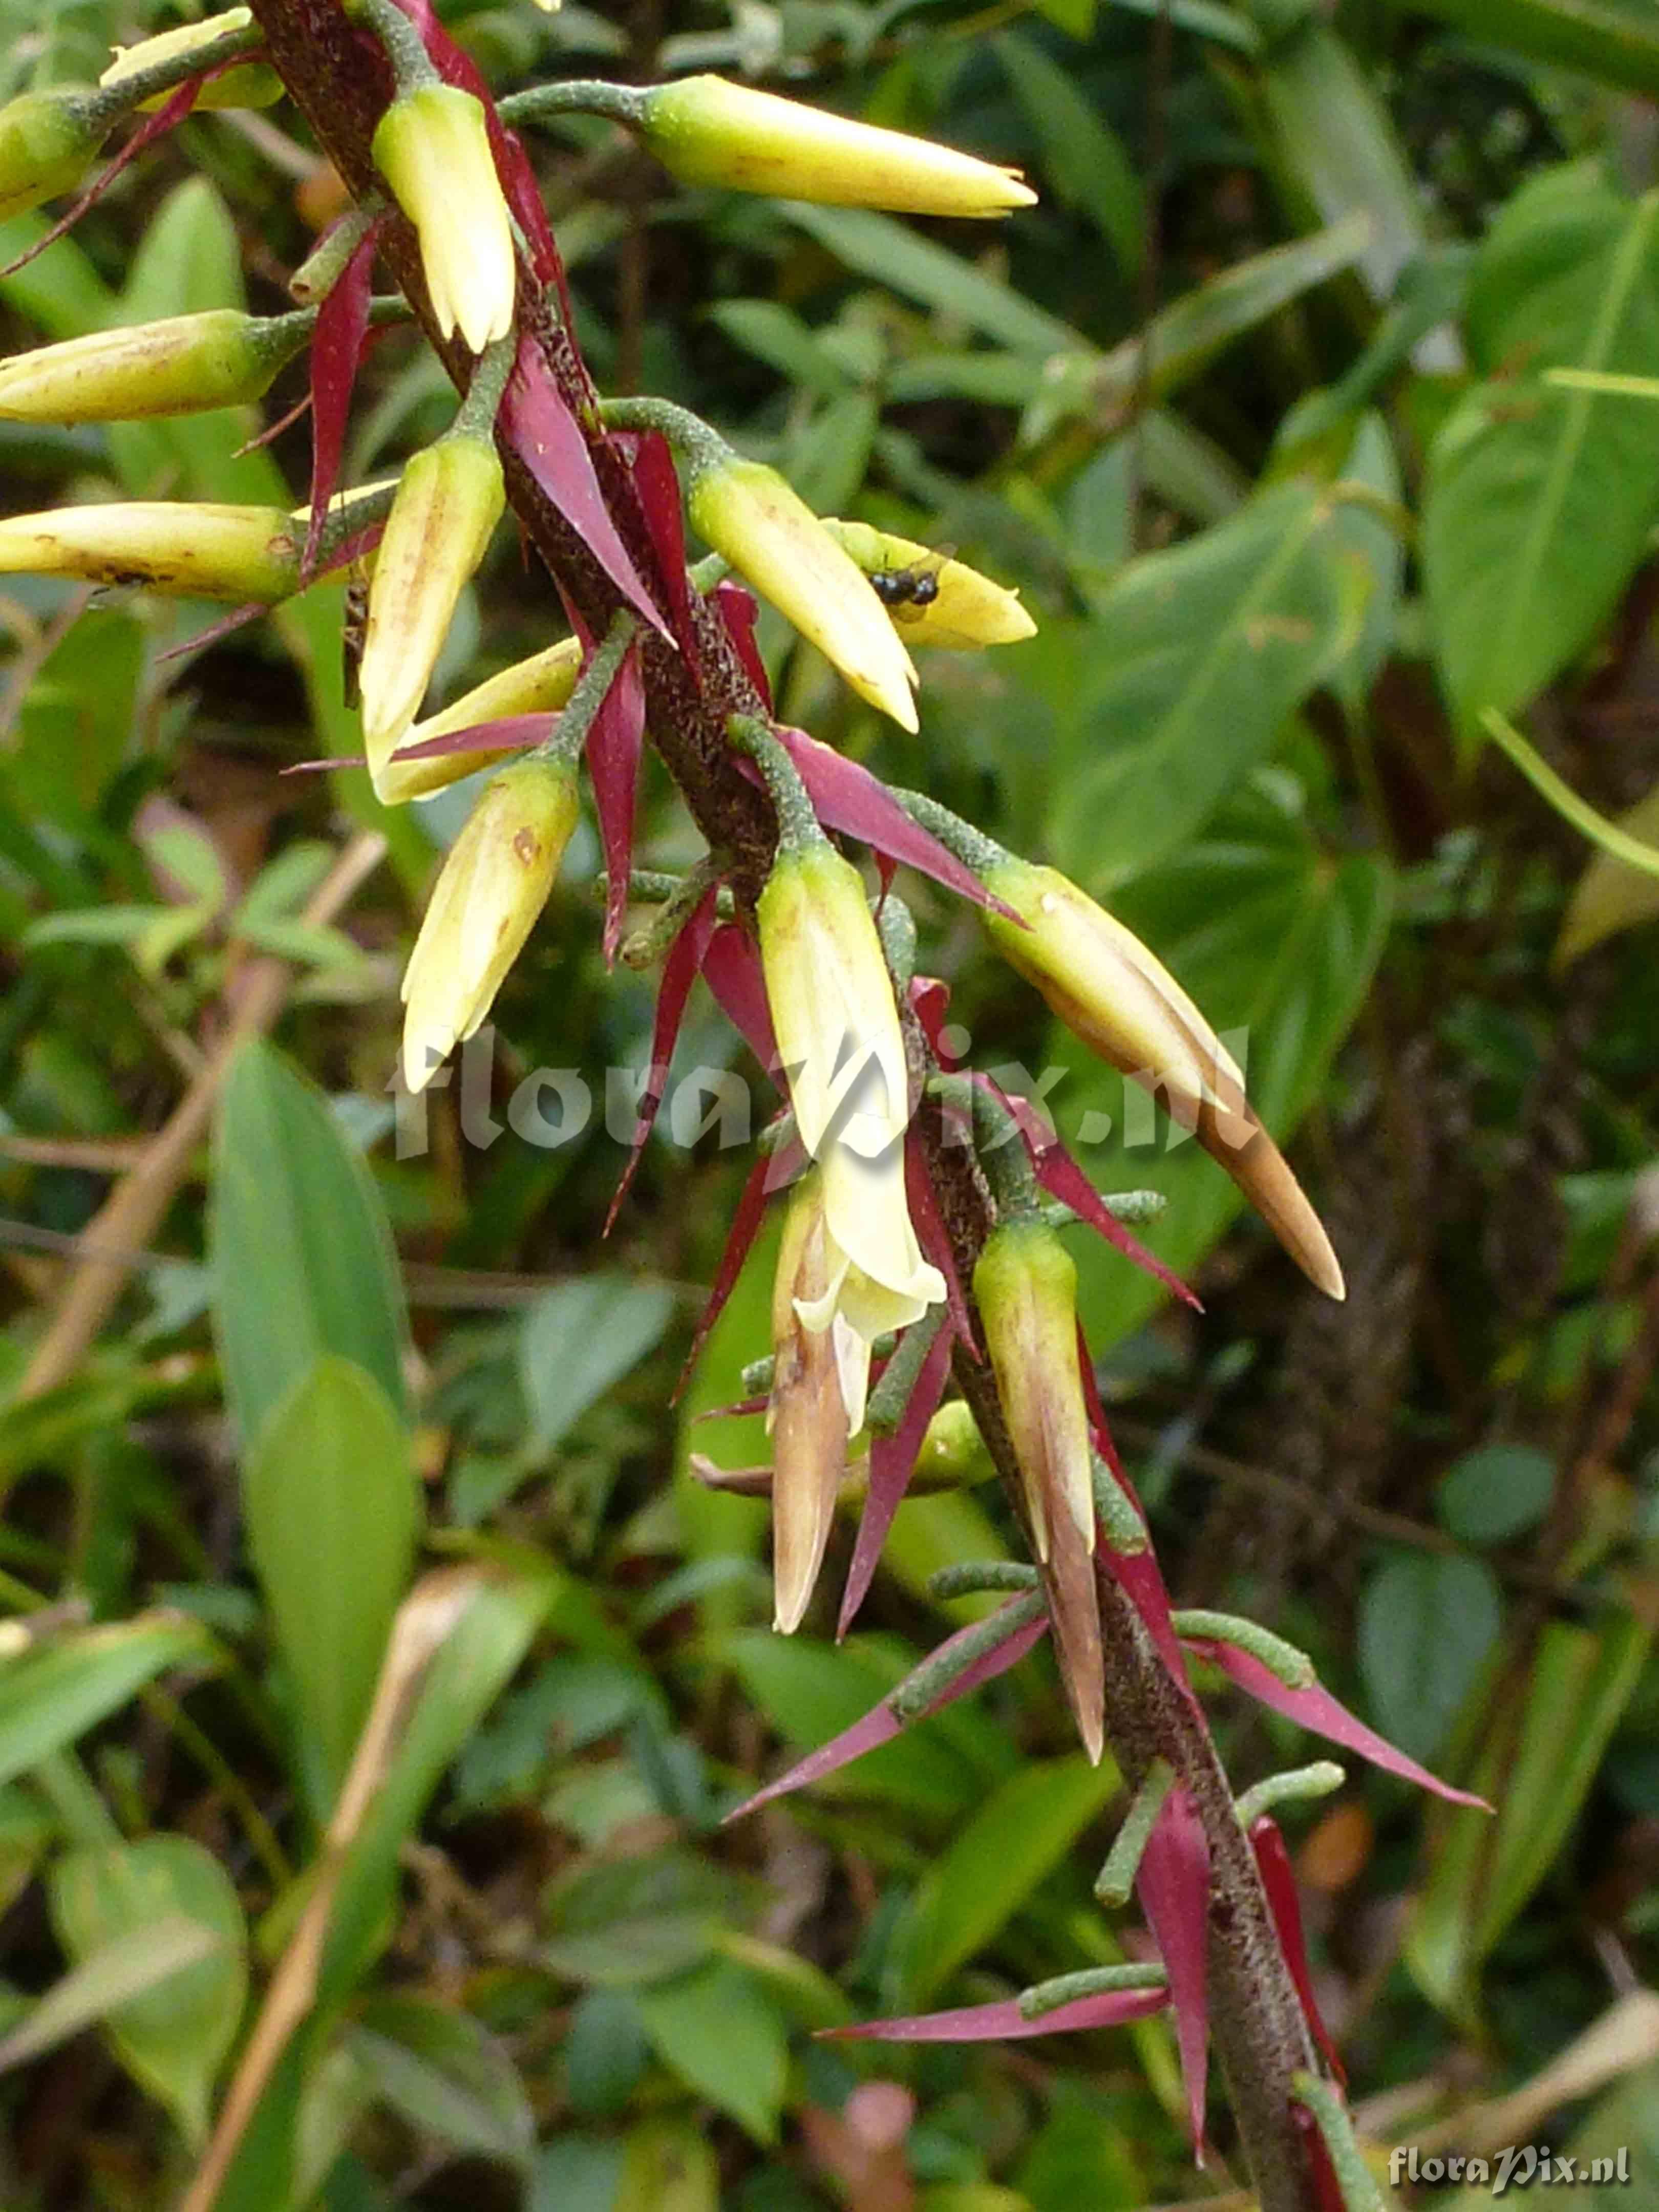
(433, 148)
(492, 885)
(449, 498)
(253, 84)
(838, 1036)
(220, 358)
(748, 514)
(539, 685)
(1105, 985)
(1025, 1286)
(706, 131)
(961, 610)
(47, 140)
(176, 546)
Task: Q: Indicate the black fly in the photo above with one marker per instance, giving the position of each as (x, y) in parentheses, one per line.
(910, 591)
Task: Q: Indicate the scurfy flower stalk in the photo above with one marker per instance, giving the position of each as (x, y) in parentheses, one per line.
(923, 1306)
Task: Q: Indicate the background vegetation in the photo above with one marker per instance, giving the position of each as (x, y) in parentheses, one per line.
(1255, 410)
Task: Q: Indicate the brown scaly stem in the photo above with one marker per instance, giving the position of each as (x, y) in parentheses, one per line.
(338, 81)
(1257, 2022)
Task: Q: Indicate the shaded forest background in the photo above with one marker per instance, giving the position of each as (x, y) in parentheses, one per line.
(1256, 410)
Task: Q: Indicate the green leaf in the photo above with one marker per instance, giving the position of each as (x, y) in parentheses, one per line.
(1611, 895)
(877, 246)
(625, 1922)
(302, 1255)
(1334, 143)
(1580, 1682)
(447, 2075)
(718, 2030)
(779, 337)
(77, 719)
(669, 2166)
(1539, 500)
(1084, 157)
(172, 2038)
(1276, 941)
(578, 2173)
(578, 1339)
(605, 2052)
(1016, 1838)
(333, 1515)
(50, 1696)
(1495, 1493)
(1427, 1623)
(1615, 40)
(1183, 681)
(126, 1967)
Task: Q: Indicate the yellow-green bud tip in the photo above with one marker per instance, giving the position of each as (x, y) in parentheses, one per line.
(707, 131)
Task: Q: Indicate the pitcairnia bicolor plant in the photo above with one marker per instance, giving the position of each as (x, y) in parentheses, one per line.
(923, 1313)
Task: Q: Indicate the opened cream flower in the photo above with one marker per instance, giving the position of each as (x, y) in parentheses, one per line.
(432, 146)
(949, 602)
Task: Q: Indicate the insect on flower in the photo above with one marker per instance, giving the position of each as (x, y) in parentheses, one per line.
(906, 592)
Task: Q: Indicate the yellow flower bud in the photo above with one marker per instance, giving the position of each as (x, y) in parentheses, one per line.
(47, 140)
(540, 685)
(492, 887)
(706, 131)
(1025, 1286)
(449, 498)
(952, 1455)
(221, 358)
(748, 514)
(433, 148)
(946, 601)
(1124, 1004)
(175, 546)
(251, 84)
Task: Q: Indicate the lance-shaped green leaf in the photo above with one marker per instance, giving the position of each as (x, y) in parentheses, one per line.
(1539, 498)
(1180, 685)
(302, 1254)
(1617, 40)
(333, 1511)
(51, 1695)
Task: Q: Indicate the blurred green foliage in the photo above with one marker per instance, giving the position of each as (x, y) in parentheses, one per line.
(373, 1478)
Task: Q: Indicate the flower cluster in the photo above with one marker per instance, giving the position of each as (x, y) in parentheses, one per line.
(883, 1287)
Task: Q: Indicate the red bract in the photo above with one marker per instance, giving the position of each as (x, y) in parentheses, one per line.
(891, 1459)
(849, 799)
(337, 348)
(547, 437)
(1173, 1884)
(731, 969)
(614, 740)
(740, 611)
(658, 485)
(1004, 2022)
(1316, 1709)
(933, 1237)
(679, 970)
(881, 1725)
(1273, 1864)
